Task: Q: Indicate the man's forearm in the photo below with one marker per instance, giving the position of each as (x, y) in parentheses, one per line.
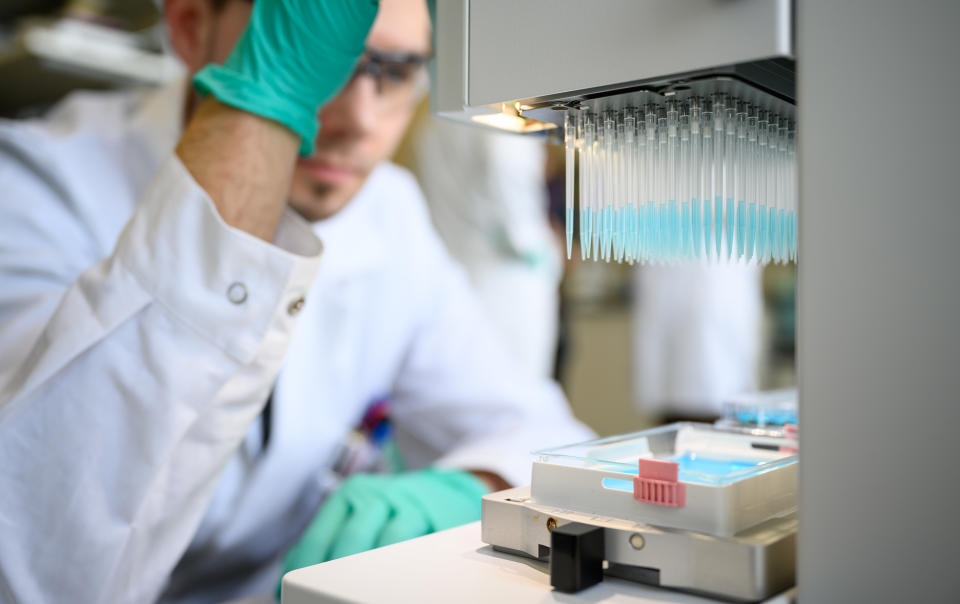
(243, 161)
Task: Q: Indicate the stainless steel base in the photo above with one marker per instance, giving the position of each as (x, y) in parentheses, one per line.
(752, 565)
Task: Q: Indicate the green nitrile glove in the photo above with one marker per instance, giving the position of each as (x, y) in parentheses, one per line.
(293, 57)
(372, 510)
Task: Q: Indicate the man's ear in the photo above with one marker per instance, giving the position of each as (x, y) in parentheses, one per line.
(190, 25)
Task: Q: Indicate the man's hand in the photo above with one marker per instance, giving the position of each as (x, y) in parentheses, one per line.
(372, 510)
(292, 58)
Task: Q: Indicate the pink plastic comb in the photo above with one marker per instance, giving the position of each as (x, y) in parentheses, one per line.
(657, 483)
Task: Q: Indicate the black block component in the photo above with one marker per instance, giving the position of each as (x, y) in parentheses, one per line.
(576, 556)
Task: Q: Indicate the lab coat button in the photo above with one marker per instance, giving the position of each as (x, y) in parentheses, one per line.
(295, 306)
(237, 292)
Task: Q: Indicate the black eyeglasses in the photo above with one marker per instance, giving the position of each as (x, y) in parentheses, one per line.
(396, 74)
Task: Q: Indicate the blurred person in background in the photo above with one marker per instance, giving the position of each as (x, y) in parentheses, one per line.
(697, 337)
(487, 194)
(192, 319)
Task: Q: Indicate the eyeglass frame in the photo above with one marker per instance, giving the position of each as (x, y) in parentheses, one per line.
(372, 63)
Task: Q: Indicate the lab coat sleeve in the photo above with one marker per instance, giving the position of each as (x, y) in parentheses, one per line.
(460, 397)
(121, 404)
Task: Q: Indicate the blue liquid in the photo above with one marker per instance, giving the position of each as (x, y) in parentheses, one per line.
(584, 232)
(674, 229)
(696, 221)
(783, 235)
(584, 240)
(685, 247)
(569, 225)
(741, 228)
(770, 417)
(707, 230)
(616, 231)
(665, 234)
(607, 231)
(627, 235)
(718, 222)
(697, 469)
(624, 236)
(648, 230)
(635, 225)
(691, 465)
(762, 234)
(609, 224)
(654, 239)
(594, 232)
(771, 230)
(752, 230)
(731, 213)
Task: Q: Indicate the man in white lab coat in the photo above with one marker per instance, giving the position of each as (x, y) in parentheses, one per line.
(156, 288)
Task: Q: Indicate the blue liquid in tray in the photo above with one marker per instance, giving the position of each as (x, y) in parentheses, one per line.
(696, 469)
(691, 465)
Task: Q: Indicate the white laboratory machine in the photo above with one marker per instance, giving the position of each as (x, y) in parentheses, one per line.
(871, 87)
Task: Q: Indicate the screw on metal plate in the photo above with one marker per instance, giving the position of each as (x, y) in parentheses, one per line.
(636, 541)
(551, 524)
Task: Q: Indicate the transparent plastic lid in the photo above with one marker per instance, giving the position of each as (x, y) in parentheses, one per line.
(761, 413)
(704, 454)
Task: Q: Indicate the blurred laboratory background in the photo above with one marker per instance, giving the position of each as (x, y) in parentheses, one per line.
(632, 346)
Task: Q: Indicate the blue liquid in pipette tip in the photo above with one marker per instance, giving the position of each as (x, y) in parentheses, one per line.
(752, 230)
(762, 233)
(771, 230)
(718, 222)
(641, 225)
(783, 235)
(674, 228)
(620, 233)
(696, 223)
(741, 228)
(730, 221)
(636, 234)
(614, 232)
(707, 227)
(662, 233)
(624, 232)
(592, 233)
(569, 226)
(605, 233)
(653, 223)
(584, 232)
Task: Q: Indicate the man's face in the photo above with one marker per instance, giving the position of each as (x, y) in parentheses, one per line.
(362, 125)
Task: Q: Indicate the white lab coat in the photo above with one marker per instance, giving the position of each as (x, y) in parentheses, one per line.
(487, 195)
(697, 336)
(131, 382)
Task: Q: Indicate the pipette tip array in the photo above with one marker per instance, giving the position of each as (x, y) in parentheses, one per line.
(682, 180)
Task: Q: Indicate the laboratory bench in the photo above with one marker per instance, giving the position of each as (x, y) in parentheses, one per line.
(455, 566)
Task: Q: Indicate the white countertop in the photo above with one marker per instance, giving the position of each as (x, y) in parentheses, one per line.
(455, 566)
